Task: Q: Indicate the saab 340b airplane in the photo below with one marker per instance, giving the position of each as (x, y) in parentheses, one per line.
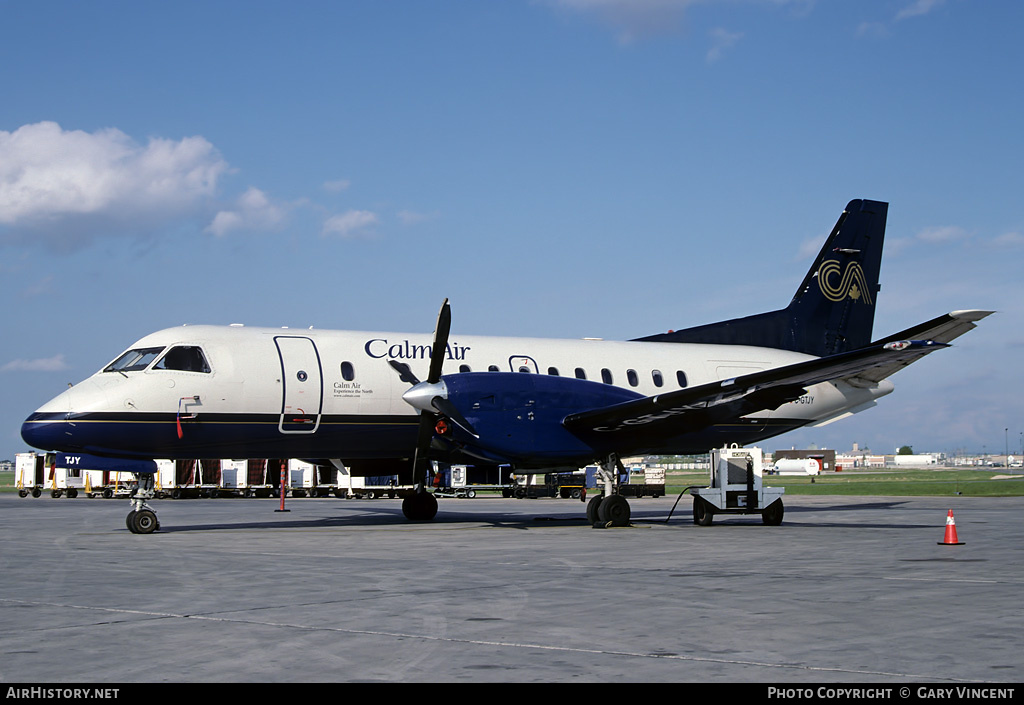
(383, 403)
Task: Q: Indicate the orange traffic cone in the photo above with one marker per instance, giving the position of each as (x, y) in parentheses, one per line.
(951, 539)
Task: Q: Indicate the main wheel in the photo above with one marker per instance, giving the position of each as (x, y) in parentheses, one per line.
(615, 510)
(703, 512)
(421, 506)
(772, 514)
(592, 508)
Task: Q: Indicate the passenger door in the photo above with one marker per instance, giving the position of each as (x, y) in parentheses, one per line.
(302, 384)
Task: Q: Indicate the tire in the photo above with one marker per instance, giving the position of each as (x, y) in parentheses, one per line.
(703, 512)
(421, 506)
(145, 522)
(614, 510)
(772, 514)
(592, 508)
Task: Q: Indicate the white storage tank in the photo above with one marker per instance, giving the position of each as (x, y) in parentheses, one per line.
(796, 466)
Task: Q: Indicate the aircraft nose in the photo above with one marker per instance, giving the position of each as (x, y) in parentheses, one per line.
(47, 432)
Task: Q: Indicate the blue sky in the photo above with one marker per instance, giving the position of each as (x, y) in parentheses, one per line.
(557, 168)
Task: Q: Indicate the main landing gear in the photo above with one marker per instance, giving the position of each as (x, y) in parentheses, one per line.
(141, 519)
(608, 509)
(420, 505)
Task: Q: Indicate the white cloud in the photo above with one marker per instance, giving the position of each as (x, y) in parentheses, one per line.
(917, 8)
(721, 39)
(632, 19)
(947, 233)
(337, 186)
(877, 29)
(1008, 240)
(349, 224)
(407, 217)
(253, 211)
(46, 364)
(53, 180)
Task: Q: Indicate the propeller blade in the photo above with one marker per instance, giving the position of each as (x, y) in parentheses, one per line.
(404, 371)
(444, 324)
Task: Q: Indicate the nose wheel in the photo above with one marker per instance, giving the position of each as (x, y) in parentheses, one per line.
(141, 519)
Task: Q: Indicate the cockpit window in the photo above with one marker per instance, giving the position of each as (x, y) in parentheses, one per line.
(132, 360)
(183, 358)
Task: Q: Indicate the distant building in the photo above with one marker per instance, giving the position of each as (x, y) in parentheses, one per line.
(917, 460)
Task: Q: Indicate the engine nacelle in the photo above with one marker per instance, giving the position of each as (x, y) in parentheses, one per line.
(518, 416)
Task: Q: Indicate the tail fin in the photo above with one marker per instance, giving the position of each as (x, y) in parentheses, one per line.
(832, 311)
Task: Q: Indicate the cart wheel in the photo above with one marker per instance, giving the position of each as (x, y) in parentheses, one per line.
(703, 512)
(36, 492)
(72, 493)
(23, 493)
(772, 514)
(471, 494)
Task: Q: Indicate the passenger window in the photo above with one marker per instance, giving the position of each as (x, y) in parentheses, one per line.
(183, 358)
(606, 376)
(632, 378)
(681, 378)
(658, 379)
(580, 373)
(553, 371)
(348, 373)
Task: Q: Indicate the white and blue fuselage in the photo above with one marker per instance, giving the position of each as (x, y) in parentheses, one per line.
(236, 391)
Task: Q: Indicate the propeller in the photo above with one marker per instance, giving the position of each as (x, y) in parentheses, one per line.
(430, 397)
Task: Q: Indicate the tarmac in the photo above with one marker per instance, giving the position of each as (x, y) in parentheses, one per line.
(846, 590)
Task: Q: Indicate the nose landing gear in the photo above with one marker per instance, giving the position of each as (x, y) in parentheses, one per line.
(141, 519)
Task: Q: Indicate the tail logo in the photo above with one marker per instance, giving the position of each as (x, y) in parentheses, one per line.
(851, 283)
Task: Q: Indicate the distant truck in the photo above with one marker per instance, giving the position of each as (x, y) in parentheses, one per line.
(641, 481)
(465, 481)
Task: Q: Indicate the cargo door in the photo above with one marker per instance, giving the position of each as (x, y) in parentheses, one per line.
(302, 385)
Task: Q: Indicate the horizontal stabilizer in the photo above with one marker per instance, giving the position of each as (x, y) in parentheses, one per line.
(942, 329)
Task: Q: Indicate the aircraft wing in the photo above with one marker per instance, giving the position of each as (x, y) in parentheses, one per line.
(698, 407)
